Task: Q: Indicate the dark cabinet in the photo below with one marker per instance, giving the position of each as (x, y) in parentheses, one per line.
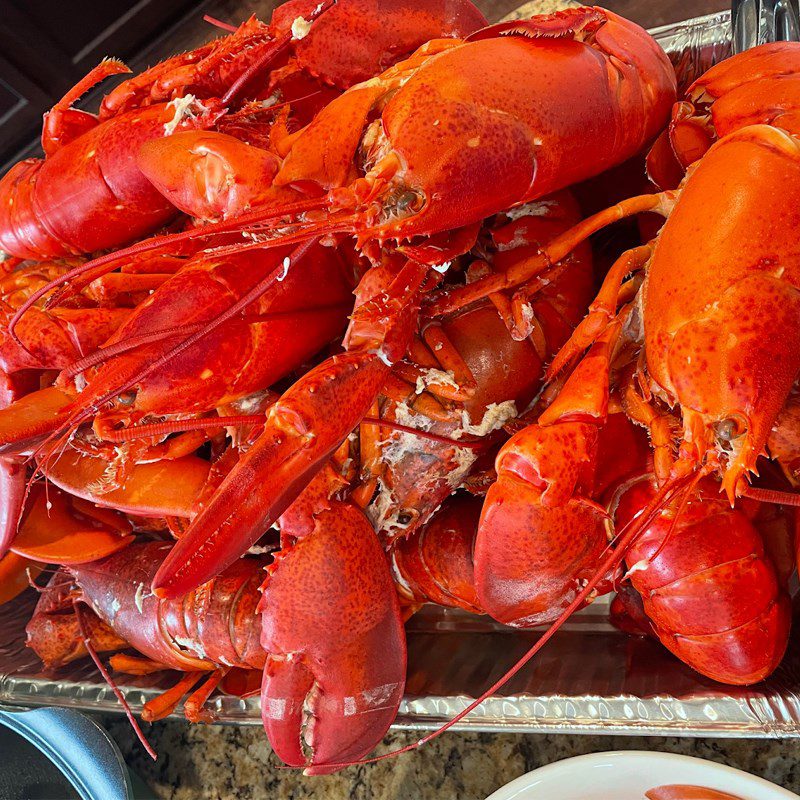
(48, 45)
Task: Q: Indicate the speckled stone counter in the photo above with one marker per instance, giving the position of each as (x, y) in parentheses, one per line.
(221, 763)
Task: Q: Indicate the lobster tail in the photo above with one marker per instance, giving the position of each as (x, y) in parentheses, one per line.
(707, 585)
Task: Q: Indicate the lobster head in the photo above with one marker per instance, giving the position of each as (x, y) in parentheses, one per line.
(721, 298)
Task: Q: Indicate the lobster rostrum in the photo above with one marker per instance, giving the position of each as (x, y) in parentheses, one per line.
(566, 46)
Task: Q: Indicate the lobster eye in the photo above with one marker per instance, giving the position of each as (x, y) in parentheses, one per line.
(404, 201)
(126, 399)
(728, 429)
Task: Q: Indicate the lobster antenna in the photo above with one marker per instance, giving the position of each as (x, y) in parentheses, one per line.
(110, 681)
(103, 354)
(627, 536)
(218, 23)
(181, 425)
(775, 496)
(107, 263)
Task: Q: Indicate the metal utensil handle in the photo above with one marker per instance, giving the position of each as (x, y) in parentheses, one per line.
(759, 21)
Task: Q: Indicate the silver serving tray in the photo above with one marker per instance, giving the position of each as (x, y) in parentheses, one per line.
(590, 678)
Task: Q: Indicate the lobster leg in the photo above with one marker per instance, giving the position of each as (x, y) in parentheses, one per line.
(62, 124)
(602, 310)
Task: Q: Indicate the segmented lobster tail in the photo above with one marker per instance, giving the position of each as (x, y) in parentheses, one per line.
(707, 585)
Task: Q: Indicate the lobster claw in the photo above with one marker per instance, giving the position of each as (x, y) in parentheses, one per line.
(538, 539)
(197, 172)
(335, 672)
(302, 429)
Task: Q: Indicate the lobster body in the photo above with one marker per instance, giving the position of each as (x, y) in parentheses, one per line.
(490, 108)
(719, 361)
(89, 194)
(485, 104)
(433, 564)
(709, 589)
(216, 625)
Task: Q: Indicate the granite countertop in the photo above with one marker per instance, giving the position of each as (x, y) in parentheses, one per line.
(201, 762)
(205, 762)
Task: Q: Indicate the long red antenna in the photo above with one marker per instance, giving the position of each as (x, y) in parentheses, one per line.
(218, 23)
(110, 681)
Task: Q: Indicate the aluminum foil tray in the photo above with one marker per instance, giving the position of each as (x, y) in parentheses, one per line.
(590, 678)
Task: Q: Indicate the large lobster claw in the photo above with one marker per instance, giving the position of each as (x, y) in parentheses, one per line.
(538, 539)
(335, 672)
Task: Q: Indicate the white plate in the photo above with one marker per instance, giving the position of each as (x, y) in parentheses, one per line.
(627, 775)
